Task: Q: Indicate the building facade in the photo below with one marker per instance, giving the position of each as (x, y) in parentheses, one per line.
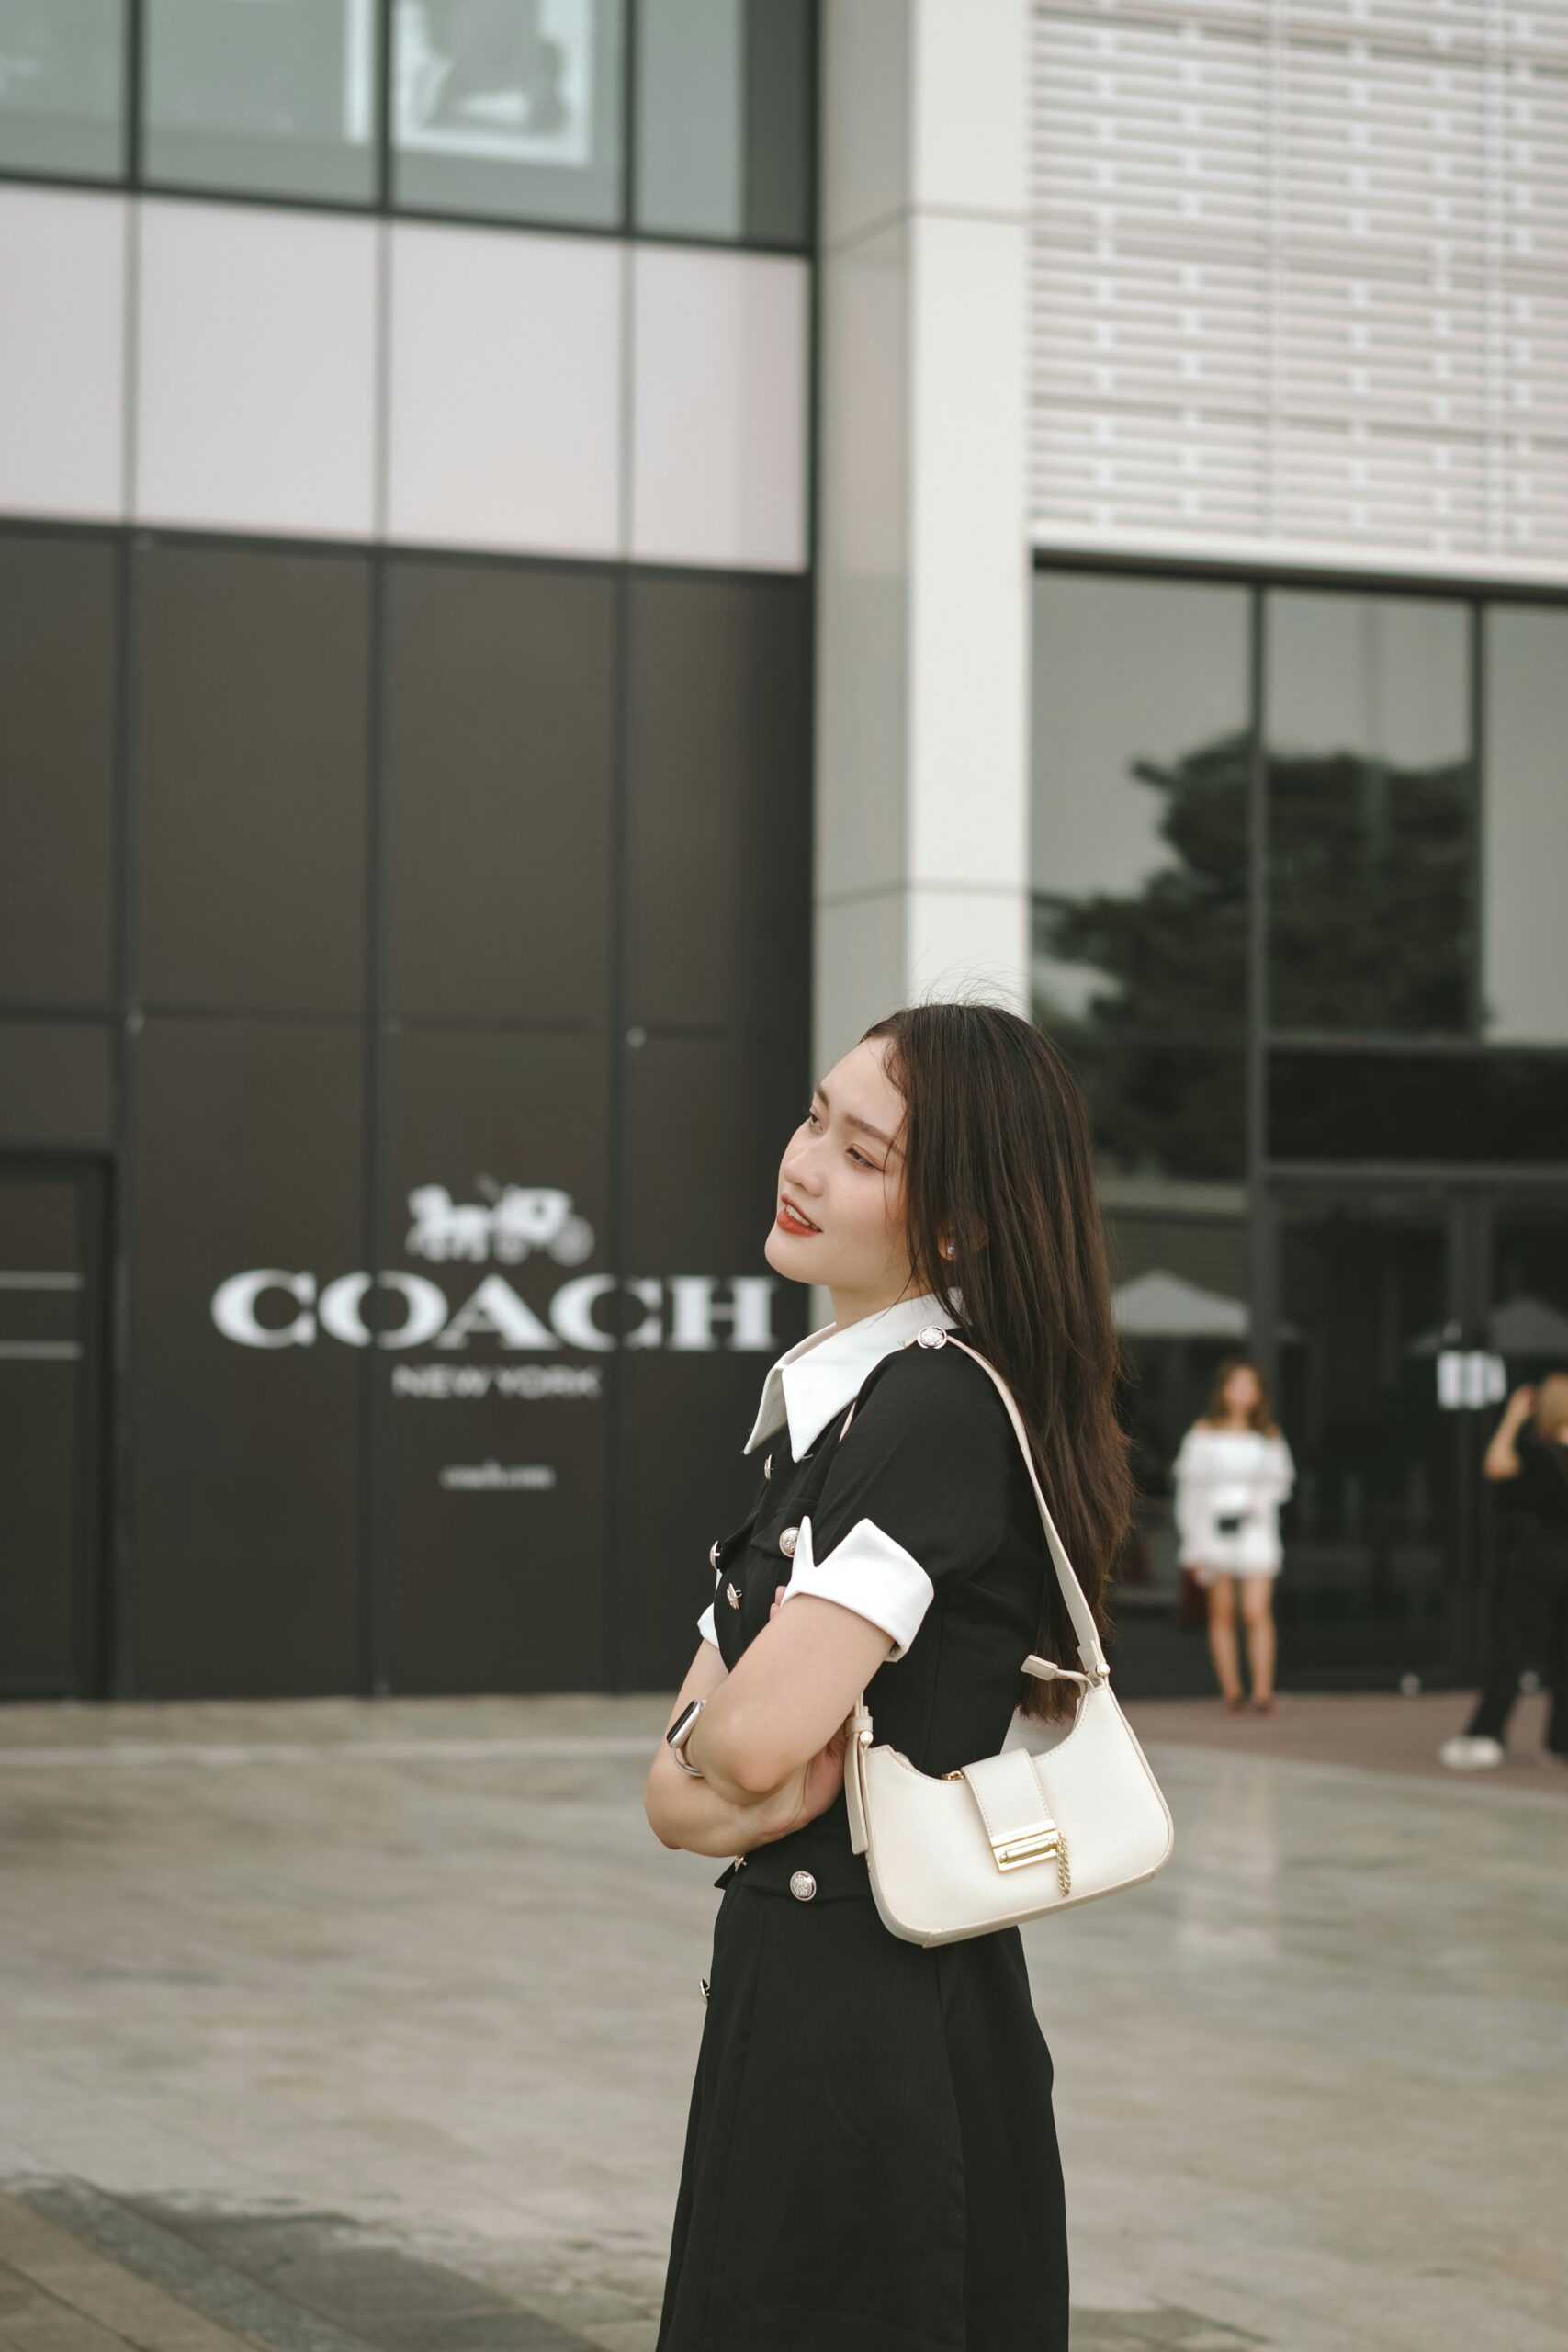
(405, 693)
(1217, 696)
(558, 558)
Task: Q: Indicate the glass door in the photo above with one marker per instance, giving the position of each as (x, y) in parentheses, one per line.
(51, 1518)
(1369, 1293)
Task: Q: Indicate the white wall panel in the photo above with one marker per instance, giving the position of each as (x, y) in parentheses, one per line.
(504, 390)
(256, 404)
(719, 378)
(62, 353)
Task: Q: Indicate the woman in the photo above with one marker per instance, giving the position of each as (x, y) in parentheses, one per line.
(871, 2160)
(1232, 1473)
(1529, 1610)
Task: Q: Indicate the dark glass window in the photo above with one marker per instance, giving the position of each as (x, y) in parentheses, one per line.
(57, 636)
(1181, 1282)
(1141, 764)
(509, 108)
(1524, 856)
(1527, 1320)
(1371, 863)
(722, 119)
(251, 778)
(246, 1419)
(498, 747)
(63, 87)
(496, 1206)
(1161, 1108)
(268, 100)
(720, 803)
(1434, 1106)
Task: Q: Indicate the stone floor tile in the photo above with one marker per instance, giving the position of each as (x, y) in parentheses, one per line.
(413, 1977)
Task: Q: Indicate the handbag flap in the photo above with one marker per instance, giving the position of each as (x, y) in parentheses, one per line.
(1012, 1805)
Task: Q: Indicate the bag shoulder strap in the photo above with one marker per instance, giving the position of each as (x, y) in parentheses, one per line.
(1079, 1611)
(1044, 1669)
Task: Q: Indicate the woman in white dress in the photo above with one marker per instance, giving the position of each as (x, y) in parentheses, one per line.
(1232, 1473)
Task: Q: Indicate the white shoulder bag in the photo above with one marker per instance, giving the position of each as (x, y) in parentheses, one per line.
(1017, 1834)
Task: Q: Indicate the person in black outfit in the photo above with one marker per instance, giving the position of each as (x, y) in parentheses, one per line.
(871, 2160)
(1529, 1614)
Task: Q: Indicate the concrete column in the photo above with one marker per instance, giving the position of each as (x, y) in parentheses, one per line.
(922, 868)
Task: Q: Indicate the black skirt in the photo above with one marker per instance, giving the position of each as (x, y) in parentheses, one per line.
(871, 2160)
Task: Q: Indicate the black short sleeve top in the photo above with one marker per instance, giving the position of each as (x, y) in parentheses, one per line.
(920, 1515)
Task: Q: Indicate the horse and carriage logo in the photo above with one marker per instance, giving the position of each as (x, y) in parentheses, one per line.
(511, 1223)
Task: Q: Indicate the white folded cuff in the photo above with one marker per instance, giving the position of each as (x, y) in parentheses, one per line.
(706, 1629)
(868, 1573)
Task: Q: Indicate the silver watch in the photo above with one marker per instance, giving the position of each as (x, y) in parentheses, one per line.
(680, 1731)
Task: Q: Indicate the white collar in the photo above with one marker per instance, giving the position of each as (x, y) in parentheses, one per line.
(820, 1375)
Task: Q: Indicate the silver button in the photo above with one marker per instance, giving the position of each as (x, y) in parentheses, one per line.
(712, 1556)
(788, 1541)
(933, 1335)
(732, 1596)
(768, 1467)
(802, 1885)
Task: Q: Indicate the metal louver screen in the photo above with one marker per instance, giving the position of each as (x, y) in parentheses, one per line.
(1298, 276)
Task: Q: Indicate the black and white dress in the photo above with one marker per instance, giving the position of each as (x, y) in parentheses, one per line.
(870, 2161)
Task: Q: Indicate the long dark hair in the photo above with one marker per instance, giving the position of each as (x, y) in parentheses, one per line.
(997, 1160)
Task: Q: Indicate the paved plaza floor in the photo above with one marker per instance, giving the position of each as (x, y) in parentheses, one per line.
(339, 2027)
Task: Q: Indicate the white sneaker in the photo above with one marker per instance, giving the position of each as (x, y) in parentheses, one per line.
(1467, 1754)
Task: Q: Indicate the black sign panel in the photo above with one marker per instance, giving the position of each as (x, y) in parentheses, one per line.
(496, 1315)
(250, 779)
(57, 632)
(499, 725)
(705, 1123)
(245, 1411)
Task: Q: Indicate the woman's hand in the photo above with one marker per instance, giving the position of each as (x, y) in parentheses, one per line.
(1501, 1459)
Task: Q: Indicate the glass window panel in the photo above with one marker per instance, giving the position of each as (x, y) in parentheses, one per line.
(270, 97)
(63, 87)
(57, 687)
(509, 108)
(722, 130)
(1524, 856)
(1162, 1107)
(1468, 1107)
(1370, 813)
(1141, 753)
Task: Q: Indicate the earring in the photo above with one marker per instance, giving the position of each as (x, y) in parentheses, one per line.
(947, 1249)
